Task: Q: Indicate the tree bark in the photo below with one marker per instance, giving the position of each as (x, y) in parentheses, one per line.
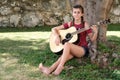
(68, 5)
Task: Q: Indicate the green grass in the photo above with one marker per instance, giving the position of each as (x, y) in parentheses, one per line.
(114, 27)
(22, 49)
(25, 29)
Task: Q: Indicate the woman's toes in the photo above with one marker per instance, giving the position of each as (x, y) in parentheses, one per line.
(43, 69)
(40, 66)
(58, 70)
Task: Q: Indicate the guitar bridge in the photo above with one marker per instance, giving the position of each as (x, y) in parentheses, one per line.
(64, 41)
(68, 37)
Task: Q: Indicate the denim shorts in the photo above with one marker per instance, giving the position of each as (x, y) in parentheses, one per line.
(86, 51)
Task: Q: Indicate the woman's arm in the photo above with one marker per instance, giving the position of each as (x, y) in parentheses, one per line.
(93, 35)
(55, 31)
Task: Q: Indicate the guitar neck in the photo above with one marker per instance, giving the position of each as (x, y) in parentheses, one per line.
(80, 31)
(84, 29)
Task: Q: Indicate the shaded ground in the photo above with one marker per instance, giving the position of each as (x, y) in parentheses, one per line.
(21, 53)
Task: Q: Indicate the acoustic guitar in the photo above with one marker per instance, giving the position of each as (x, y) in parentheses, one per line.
(69, 35)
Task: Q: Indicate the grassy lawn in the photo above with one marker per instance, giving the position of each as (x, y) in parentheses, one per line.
(22, 49)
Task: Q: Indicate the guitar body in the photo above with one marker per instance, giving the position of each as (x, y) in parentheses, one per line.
(58, 48)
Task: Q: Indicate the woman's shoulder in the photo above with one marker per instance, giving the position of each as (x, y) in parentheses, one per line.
(69, 23)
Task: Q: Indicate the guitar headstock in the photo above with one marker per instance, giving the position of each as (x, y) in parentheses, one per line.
(107, 21)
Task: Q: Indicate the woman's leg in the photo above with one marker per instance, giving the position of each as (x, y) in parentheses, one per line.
(55, 65)
(69, 51)
(48, 70)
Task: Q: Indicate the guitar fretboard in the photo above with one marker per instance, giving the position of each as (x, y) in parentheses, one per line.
(79, 31)
(84, 29)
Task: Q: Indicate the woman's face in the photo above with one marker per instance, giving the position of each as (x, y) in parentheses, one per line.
(77, 13)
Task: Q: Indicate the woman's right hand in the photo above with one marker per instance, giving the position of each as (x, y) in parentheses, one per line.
(57, 40)
(55, 31)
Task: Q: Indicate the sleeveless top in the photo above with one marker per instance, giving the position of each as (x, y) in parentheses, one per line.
(82, 36)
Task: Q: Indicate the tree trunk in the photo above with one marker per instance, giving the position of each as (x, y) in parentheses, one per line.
(68, 5)
(96, 10)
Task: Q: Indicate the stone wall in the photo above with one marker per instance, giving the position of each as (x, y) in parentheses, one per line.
(115, 12)
(30, 13)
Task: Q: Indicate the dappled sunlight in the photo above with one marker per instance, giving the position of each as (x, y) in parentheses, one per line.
(116, 74)
(25, 35)
(29, 47)
(9, 44)
(113, 33)
(115, 40)
(7, 59)
(4, 57)
(11, 70)
(10, 62)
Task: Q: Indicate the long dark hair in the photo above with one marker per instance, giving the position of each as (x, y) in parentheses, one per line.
(82, 10)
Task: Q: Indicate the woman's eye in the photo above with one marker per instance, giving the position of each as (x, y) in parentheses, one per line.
(74, 12)
(78, 12)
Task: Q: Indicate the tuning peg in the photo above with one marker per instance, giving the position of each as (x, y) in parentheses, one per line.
(100, 22)
(109, 20)
(104, 22)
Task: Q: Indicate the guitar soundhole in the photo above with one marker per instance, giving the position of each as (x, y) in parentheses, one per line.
(68, 36)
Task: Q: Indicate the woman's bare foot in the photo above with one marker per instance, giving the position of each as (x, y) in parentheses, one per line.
(58, 70)
(43, 69)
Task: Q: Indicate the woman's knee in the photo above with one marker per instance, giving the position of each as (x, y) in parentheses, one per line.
(67, 45)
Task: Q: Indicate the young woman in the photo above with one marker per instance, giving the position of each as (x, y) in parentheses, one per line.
(71, 50)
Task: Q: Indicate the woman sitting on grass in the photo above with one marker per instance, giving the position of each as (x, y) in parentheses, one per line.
(71, 50)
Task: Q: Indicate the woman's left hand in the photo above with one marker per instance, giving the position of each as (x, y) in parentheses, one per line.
(94, 28)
